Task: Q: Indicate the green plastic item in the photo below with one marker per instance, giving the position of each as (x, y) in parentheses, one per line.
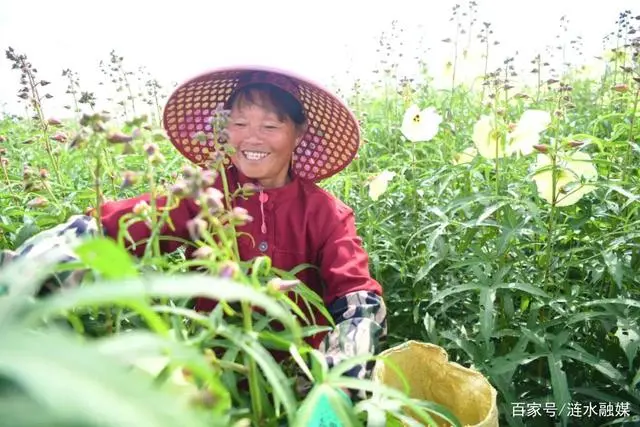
(324, 414)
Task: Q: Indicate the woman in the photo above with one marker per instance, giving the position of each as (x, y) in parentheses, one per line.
(287, 134)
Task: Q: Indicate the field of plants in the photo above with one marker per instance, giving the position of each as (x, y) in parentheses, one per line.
(502, 220)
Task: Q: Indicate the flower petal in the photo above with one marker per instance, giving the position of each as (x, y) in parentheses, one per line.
(466, 156)
(485, 139)
(420, 125)
(379, 184)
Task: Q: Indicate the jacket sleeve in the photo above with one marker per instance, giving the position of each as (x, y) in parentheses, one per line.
(352, 296)
(176, 226)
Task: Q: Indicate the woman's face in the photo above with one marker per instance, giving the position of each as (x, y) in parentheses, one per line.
(264, 144)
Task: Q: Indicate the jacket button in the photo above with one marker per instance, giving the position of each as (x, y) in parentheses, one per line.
(263, 246)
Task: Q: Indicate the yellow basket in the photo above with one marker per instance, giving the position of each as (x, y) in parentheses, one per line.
(430, 375)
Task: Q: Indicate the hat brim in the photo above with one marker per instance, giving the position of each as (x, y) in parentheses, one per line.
(329, 144)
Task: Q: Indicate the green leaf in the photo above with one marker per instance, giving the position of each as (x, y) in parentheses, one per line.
(107, 258)
(559, 384)
(116, 396)
(134, 291)
(487, 298)
(524, 287)
(270, 368)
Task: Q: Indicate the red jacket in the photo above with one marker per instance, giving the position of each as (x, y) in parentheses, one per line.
(304, 224)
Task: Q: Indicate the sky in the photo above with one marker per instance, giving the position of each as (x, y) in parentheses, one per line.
(329, 41)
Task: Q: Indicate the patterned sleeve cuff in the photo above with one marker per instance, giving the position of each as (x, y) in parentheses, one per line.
(361, 328)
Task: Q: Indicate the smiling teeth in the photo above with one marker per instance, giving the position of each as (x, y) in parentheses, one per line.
(254, 155)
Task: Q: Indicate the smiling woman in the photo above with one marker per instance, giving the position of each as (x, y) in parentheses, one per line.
(265, 125)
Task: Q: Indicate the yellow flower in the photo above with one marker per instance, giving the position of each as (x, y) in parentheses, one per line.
(487, 138)
(571, 169)
(420, 125)
(465, 156)
(527, 131)
(379, 184)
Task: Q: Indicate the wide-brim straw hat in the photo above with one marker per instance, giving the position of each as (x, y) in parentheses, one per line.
(329, 144)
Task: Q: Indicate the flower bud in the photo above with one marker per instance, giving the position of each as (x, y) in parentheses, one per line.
(208, 177)
(118, 137)
(621, 88)
(196, 228)
(180, 189)
(54, 122)
(575, 144)
(60, 137)
(150, 148)
(4, 161)
(541, 148)
(142, 208)
(38, 202)
(129, 178)
(189, 172)
(213, 199)
(240, 215)
(249, 188)
(279, 285)
(228, 269)
(203, 252)
(44, 173)
(3, 138)
(157, 158)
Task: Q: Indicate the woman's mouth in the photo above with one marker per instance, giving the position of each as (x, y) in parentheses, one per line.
(254, 155)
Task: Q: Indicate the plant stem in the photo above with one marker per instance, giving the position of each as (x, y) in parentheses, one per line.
(628, 156)
(98, 171)
(254, 390)
(225, 185)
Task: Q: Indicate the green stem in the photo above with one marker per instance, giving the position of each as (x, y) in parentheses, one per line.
(552, 215)
(154, 220)
(225, 185)
(628, 157)
(254, 389)
(98, 171)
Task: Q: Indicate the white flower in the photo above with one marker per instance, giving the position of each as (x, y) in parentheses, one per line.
(420, 125)
(487, 138)
(465, 156)
(571, 169)
(379, 184)
(527, 132)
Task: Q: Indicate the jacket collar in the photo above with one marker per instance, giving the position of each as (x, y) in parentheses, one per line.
(289, 191)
